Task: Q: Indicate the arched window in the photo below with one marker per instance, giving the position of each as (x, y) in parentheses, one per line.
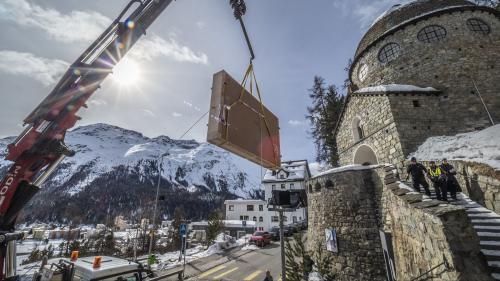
(261, 219)
(362, 72)
(254, 218)
(389, 52)
(431, 33)
(479, 26)
(357, 129)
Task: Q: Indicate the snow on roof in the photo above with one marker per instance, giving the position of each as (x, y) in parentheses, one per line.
(244, 201)
(238, 223)
(354, 167)
(479, 146)
(395, 88)
(296, 170)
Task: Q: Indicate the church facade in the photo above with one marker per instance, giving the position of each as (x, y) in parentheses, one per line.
(427, 68)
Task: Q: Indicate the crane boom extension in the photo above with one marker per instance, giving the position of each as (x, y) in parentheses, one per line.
(40, 148)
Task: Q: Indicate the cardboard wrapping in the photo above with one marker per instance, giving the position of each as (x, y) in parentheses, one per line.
(236, 123)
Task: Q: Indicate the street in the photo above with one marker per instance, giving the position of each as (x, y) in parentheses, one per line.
(248, 267)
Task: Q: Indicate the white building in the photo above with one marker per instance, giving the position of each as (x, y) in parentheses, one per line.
(248, 210)
(291, 176)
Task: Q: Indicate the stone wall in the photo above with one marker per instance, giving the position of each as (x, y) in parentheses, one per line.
(359, 203)
(378, 126)
(446, 65)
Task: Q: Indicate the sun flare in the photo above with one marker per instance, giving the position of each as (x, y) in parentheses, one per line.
(127, 73)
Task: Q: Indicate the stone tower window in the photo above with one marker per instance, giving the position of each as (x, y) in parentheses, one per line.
(389, 52)
(479, 26)
(431, 33)
(357, 130)
(362, 72)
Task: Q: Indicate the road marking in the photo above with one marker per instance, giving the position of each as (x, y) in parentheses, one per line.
(213, 270)
(225, 273)
(252, 276)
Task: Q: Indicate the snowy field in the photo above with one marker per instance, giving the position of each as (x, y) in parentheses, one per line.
(480, 146)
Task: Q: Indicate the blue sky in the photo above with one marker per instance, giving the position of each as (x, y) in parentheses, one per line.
(293, 41)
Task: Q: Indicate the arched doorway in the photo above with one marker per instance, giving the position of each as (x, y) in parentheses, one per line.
(365, 155)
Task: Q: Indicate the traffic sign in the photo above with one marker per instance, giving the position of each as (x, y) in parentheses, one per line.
(244, 223)
(182, 229)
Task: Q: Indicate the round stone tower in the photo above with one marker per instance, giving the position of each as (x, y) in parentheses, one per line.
(450, 45)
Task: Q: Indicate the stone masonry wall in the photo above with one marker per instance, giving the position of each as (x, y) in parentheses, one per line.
(357, 203)
(449, 65)
(378, 126)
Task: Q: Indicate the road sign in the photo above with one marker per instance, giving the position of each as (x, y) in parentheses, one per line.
(244, 223)
(182, 229)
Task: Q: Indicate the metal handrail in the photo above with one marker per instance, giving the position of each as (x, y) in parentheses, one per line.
(445, 263)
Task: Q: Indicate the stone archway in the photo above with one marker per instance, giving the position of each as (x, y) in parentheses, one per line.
(365, 155)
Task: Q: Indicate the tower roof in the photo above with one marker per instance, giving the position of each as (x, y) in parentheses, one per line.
(399, 14)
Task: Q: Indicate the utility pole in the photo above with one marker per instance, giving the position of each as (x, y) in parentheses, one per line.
(160, 161)
(282, 245)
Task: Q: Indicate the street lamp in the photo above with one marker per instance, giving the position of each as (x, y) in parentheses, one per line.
(160, 162)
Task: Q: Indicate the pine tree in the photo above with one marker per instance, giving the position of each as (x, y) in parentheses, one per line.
(294, 254)
(323, 115)
(215, 226)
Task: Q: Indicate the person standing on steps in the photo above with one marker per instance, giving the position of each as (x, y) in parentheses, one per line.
(417, 172)
(438, 179)
(451, 181)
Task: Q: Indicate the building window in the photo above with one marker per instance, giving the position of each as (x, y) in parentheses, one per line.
(285, 218)
(261, 208)
(294, 219)
(261, 219)
(479, 26)
(431, 33)
(416, 103)
(291, 186)
(274, 219)
(254, 218)
(389, 52)
(243, 218)
(273, 186)
(362, 72)
(231, 207)
(249, 207)
(357, 130)
(283, 186)
(282, 176)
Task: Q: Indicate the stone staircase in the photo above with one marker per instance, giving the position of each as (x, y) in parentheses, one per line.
(486, 223)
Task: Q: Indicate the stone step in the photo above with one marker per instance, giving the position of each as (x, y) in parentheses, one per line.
(483, 216)
(478, 211)
(495, 222)
(490, 245)
(488, 236)
(495, 276)
(487, 228)
(494, 266)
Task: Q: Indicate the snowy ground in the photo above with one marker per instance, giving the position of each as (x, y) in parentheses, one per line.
(480, 146)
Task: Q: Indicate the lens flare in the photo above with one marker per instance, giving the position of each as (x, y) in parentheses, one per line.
(127, 73)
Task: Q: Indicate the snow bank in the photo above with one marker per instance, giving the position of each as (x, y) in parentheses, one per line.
(395, 88)
(251, 247)
(480, 146)
(354, 167)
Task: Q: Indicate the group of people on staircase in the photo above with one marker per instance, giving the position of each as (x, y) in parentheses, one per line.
(442, 177)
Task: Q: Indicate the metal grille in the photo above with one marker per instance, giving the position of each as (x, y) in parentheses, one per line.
(432, 33)
(389, 52)
(363, 71)
(478, 26)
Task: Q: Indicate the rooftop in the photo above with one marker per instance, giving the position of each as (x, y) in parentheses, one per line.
(295, 170)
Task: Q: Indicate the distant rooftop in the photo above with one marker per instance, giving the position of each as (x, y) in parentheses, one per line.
(291, 170)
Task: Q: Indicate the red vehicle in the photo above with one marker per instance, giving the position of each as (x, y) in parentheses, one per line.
(261, 238)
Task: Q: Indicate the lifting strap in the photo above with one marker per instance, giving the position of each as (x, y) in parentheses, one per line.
(251, 79)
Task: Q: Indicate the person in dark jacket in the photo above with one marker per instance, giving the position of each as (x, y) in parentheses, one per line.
(438, 179)
(451, 181)
(417, 172)
(268, 276)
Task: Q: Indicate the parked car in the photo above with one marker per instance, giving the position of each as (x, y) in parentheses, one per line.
(288, 230)
(275, 233)
(261, 238)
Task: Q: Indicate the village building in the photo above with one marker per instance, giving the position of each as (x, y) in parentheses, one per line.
(291, 176)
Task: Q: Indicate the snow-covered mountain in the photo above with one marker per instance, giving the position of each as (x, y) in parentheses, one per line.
(115, 172)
